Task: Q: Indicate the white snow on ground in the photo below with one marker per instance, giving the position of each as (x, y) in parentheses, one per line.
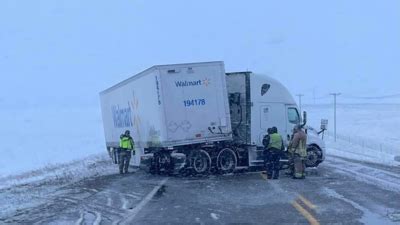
(365, 132)
(36, 187)
(366, 174)
(379, 122)
(353, 151)
(70, 172)
(32, 138)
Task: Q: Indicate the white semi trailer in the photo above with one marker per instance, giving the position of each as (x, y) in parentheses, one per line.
(195, 117)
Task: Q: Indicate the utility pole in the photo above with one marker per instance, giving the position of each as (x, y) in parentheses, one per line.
(334, 111)
(300, 95)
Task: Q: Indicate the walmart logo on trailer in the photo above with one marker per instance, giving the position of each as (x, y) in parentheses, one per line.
(186, 83)
(122, 117)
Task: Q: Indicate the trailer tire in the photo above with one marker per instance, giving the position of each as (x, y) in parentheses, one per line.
(200, 162)
(226, 161)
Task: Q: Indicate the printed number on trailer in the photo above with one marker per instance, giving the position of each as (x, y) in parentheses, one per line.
(194, 102)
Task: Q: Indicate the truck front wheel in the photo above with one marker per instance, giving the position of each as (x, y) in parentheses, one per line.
(226, 161)
(313, 156)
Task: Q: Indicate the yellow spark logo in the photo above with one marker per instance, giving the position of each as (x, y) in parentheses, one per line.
(206, 82)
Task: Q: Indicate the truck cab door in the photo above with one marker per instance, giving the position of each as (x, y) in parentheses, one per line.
(292, 119)
(271, 115)
(265, 111)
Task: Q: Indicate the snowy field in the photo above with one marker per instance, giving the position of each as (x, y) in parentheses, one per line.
(38, 137)
(368, 132)
(380, 122)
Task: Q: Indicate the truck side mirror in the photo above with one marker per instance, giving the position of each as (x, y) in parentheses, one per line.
(304, 118)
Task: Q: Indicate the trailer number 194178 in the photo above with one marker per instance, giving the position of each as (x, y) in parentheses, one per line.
(194, 102)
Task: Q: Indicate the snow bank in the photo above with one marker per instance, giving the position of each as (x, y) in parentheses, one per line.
(64, 173)
(36, 187)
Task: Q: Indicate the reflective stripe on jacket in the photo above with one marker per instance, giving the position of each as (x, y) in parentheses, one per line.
(275, 141)
(126, 142)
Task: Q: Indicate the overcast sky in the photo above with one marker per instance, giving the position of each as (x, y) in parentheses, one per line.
(66, 51)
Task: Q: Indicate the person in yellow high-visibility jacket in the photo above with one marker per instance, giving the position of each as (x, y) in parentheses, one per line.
(126, 146)
(275, 148)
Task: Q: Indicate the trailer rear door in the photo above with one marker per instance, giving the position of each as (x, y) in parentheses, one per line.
(195, 101)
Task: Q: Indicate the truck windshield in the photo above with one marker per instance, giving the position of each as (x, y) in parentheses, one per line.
(264, 89)
(293, 115)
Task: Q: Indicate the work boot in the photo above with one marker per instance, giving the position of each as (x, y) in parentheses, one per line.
(276, 175)
(126, 169)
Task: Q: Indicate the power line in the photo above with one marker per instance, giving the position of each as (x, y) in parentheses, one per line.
(323, 97)
(373, 97)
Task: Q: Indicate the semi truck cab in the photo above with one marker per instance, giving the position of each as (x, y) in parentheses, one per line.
(258, 102)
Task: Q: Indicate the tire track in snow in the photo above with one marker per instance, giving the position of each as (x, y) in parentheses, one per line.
(98, 218)
(388, 184)
(109, 201)
(106, 209)
(91, 190)
(124, 202)
(361, 166)
(129, 219)
(134, 195)
(80, 220)
(96, 215)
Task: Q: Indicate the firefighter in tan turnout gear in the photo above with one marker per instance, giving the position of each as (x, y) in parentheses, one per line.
(126, 145)
(298, 151)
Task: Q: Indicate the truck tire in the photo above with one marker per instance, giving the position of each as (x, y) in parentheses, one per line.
(200, 162)
(226, 161)
(164, 163)
(313, 156)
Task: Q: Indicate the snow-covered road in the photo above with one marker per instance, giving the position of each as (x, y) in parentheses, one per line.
(339, 191)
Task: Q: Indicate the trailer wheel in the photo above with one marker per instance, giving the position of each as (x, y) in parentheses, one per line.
(313, 156)
(226, 161)
(164, 163)
(200, 161)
